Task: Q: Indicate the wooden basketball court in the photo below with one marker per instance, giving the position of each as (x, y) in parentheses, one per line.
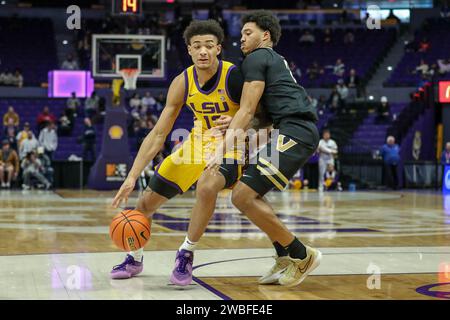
(375, 245)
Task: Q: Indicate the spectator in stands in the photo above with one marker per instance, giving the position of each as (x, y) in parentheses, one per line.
(47, 169)
(32, 168)
(135, 101)
(327, 150)
(160, 102)
(349, 37)
(30, 144)
(151, 122)
(444, 66)
(423, 68)
(10, 135)
(424, 45)
(327, 36)
(344, 18)
(298, 181)
(445, 158)
(296, 72)
(45, 117)
(91, 105)
(49, 139)
(148, 102)
(334, 101)
(11, 115)
(307, 38)
(314, 71)
(331, 179)
(9, 164)
(390, 153)
(6, 78)
(141, 133)
(2, 78)
(352, 80)
(339, 68)
(343, 92)
(321, 104)
(72, 104)
(17, 79)
(65, 126)
(88, 139)
(383, 111)
(70, 63)
(23, 135)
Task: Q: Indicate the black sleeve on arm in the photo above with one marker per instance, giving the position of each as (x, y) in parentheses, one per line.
(254, 66)
(235, 83)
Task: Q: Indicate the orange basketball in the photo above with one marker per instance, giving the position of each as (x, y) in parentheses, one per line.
(130, 230)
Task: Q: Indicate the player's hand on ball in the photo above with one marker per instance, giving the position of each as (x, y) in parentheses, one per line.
(124, 192)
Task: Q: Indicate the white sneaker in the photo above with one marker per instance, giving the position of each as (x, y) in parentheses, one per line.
(299, 269)
(25, 187)
(272, 276)
(3, 185)
(8, 185)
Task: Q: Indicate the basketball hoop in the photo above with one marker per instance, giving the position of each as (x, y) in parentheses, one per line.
(130, 76)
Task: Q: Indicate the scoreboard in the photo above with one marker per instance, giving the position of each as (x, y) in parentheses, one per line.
(127, 7)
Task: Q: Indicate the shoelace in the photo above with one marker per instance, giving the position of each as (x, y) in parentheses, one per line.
(183, 263)
(123, 264)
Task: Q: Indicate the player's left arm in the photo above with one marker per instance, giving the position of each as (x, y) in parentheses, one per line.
(235, 83)
(251, 94)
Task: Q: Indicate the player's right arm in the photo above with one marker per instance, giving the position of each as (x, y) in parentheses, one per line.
(154, 141)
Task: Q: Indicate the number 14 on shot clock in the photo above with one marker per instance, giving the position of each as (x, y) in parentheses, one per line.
(133, 7)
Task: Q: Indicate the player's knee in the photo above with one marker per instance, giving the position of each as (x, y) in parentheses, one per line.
(205, 191)
(146, 207)
(239, 199)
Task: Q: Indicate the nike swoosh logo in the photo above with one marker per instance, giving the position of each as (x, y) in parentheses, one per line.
(142, 235)
(303, 270)
(246, 175)
(192, 95)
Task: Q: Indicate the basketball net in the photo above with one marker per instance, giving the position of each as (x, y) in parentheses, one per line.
(130, 76)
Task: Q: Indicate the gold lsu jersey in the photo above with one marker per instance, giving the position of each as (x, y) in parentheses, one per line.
(209, 105)
(185, 166)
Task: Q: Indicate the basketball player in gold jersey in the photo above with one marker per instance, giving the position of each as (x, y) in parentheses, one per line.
(211, 88)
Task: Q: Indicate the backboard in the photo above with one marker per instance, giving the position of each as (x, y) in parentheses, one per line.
(111, 53)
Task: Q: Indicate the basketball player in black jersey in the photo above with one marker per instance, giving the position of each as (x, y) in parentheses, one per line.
(269, 82)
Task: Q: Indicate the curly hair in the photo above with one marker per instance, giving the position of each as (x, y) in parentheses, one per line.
(202, 27)
(266, 21)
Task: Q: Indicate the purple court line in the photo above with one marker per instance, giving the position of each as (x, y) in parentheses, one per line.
(425, 290)
(218, 293)
(211, 288)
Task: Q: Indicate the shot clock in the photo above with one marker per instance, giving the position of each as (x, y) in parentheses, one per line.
(127, 7)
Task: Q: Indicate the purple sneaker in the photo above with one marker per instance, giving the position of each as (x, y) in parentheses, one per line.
(127, 269)
(182, 273)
